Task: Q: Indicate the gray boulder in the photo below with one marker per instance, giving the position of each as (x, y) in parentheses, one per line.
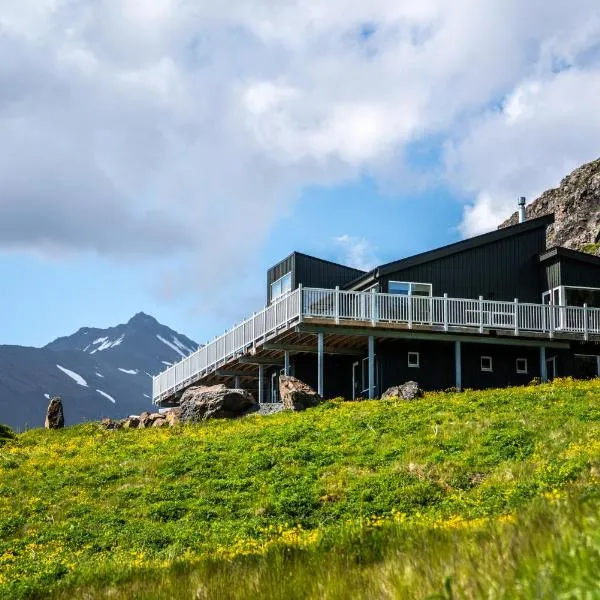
(297, 395)
(407, 391)
(215, 402)
(55, 416)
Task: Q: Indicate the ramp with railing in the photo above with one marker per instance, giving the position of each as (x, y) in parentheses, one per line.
(437, 313)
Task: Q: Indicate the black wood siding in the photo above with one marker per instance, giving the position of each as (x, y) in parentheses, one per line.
(553, 274)
(578, 273)
(502, 270)
(436, 370)
(310, 272)
(337, 370)
(504, 363)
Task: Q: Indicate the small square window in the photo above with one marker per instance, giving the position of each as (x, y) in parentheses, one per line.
(486, 363)
(522, 365)
(413, 360)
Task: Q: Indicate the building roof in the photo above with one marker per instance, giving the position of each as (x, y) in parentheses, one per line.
(444, 251)
(560, 252)
(322, 260)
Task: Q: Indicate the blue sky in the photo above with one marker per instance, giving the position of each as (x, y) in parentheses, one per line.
(158, 156)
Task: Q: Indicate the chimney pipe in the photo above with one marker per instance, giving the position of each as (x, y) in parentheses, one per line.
(522, 213)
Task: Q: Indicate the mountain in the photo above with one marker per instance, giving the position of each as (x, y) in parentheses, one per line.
(98, 372)
(576, 207)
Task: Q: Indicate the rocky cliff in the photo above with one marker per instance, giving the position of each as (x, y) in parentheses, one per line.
(576, 207)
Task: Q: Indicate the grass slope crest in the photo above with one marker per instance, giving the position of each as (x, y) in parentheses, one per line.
(464, 495)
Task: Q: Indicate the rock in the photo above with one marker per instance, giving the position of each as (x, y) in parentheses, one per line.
(173, 416)
(576, 207)
(6, 433)
(215, 402)
(131, 422)
(159, 422)
(145, 420)
(297, 395)
(55, 417)
(407, 391)
(270, 408)
(110, 424)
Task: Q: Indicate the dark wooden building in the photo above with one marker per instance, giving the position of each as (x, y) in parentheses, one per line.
(494, 310)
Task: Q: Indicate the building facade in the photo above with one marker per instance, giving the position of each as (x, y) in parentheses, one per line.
(494, 310)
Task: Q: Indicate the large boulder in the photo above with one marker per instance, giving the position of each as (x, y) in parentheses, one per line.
(297, 395)
(215, 402)
(55, 416)
(407, 391)
(173, 416)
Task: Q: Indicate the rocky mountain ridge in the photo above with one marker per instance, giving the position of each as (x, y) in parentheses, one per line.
(98, 372)
(576, 207)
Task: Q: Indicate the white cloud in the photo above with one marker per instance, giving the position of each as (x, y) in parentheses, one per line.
(357, 252)
(544, 129)
(159, 128)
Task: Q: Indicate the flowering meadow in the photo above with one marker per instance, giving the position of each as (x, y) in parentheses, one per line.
(490, 494)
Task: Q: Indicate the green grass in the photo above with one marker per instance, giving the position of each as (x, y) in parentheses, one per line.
(591, 248)
(457, 495)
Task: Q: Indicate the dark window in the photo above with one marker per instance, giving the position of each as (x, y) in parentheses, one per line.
(414, 360)
(486, 363)
(522, 365)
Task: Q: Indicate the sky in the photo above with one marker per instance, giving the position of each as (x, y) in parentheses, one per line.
(160, 155)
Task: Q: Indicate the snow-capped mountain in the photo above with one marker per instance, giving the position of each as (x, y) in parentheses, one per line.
(98, 372)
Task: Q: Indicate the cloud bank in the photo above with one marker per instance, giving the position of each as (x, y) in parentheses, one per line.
(178, 128)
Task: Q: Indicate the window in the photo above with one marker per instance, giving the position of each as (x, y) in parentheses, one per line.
(486, 363)
(522, 365)
(580, 296)
(413, 360)
(282, 286)
(408, 288)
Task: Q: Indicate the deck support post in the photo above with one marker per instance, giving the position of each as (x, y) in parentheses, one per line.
(237, 383)
(480, 314)
(320, 362)
(445, 312)
(261, 384)
(371, 362)
(458, 365)
(543, 364)
(286, 363)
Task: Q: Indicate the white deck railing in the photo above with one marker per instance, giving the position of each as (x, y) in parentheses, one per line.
(378, 309)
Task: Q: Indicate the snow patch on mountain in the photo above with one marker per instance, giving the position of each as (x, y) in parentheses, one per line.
(99, 375)
(181, 345)
(128, 371)
(107, 396)
(106, 343)
(171, 345)
(78, 379)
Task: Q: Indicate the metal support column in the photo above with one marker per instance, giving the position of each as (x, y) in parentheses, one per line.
(458, 364)
(261, 384)
(320, 362)
(543, 364)
(237, 383)
(371, 367)
(286, 363)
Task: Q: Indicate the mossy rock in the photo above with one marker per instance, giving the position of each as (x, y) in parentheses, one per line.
(6, 433)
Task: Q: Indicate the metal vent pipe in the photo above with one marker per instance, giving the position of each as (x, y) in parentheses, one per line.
(522, 213)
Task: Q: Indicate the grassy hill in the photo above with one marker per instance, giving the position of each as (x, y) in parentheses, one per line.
(468, 495)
